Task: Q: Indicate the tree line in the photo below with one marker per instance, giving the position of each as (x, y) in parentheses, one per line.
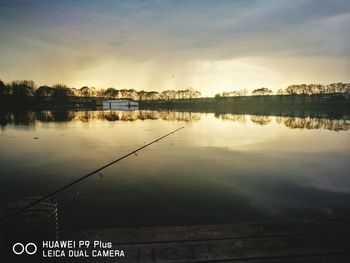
(28, 88)
(301, 89)
(60, 92)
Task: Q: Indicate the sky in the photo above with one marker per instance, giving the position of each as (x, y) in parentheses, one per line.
(210, 45)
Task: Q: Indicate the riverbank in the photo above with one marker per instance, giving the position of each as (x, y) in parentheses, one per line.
(269, 105)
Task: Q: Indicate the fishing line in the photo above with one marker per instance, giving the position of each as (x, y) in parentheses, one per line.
(85, 176)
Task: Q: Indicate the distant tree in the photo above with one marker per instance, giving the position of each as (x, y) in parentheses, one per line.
(132, 94)
(153, 95)
(337, 88)
(190, 93)
(87, 92)
(74, 92)
(111, 93)
(100, 93)
(179, 94)
(44, 91)
(168, 94)
(317, 89)
(231, 93)
(262, 91)
(128, 94)
(123, 93)
(61, 93)
(3, 88)
(292, 89)
(142, 95)
(23, 88)
(217, 96)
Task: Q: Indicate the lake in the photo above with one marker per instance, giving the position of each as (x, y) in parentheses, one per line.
(221, 168)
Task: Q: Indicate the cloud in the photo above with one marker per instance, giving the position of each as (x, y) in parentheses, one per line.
(123, 39)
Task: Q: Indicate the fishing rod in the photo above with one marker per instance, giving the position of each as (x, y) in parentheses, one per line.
(85, 176)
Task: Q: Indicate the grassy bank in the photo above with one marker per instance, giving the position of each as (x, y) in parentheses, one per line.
(272, 104)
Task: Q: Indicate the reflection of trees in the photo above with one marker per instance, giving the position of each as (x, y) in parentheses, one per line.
(62, 115)
(53, 116)
(179, 116)
(232, 117)
(292, 122)
(314, 123)
(17, 118)
(45, 116)
(29, 118)
(261, 119)
(135, 115)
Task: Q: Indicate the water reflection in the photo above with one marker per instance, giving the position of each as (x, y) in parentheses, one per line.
(314, 123)
(332, 124)
(222, 168)
(261, 119)
(294, 122)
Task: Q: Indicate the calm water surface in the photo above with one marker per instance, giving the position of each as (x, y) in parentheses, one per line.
(219, 169)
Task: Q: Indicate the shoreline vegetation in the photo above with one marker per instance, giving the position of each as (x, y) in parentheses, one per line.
(330, 99)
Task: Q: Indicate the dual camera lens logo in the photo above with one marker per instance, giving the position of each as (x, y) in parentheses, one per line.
(29, 249)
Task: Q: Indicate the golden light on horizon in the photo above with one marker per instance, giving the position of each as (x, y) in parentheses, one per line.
(208, 46)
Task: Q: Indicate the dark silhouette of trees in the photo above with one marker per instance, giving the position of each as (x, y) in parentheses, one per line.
(61, 93)
(3, 89)
(148, 95)
(87, 92)
(142, 95)
(44, 92)
(128, 94)
(318, 89)
(168, 94)
(100, 93)
(111, 93)
(23, 88)
(153, 95)
(26, 92)
(26, 89)
(262, 91)
(299, 89)
(190, 93)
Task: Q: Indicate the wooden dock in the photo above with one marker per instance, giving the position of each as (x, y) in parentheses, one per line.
(301, 241)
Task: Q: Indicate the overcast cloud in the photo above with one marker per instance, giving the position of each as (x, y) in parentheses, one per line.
(211, 45)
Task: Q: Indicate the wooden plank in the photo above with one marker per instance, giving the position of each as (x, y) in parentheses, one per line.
(225, 231)
(257, 248)
(301, 241)
(299, 259)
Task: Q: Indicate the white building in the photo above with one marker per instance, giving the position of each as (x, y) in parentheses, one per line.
(120, 104)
